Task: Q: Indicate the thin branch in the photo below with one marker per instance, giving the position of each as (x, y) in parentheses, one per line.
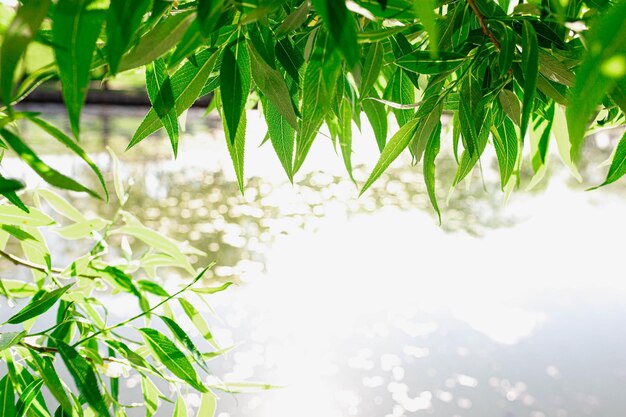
(483, 25)
(37, 267)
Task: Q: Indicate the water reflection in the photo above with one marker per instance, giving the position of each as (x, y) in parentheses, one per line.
(365, 307)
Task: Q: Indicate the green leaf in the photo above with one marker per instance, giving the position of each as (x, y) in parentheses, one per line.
(28, 396)
(208, 14)
(430, 153)
(84, 377)
(468, 161)
(16, 38)
(212, 290)
(511, 105)
(187, 84)
(553, 69)
(320, 81)
(530, 68)
(470, 113)
(50, 175)
(163, 37)
(73, 146)
(341, 26)
(208, 405)
(371, 68)
(39, 306)
(7, 189)
(161, 96)
(197, 320)
(7, 397)
(596, 76)
(423, 62)
(237, 150)
(396, 145)
(234, 88)
(424, 10)
(185, 340)
(180, 408)
(75, 28)
(150, 395)
(16, 232)
(61, 205)
(402, 92)
(48, 373)
(618, 164)
(505, 141)
(506, 37)
(123, 20)
(377, 116)
(294, 20)
(16, 216)
(345, 134)
(272, 85)
(173, 359)
(9, 339)
(282, 135)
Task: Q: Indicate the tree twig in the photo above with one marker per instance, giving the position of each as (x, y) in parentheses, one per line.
(483, 25)
(28, 264)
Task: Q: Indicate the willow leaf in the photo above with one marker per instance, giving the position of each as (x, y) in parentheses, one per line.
(39, 306)
(123, 20)
(618, 164)
(530, 68)
(234, 88)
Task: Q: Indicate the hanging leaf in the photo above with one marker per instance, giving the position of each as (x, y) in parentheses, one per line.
(29, 395)
(185, 340)
(170, 356)
(7, 397)
(602, 65)
(75, 28)
(84, 377)
(8, 187)
(163, 37)
(377, 117)
(618, 164)
(282, 135)
(430, 153)
(371, 68)
(423, 62)
(123, 20)
(530, 68)
(187, 84)
(424, 10)
(273, 86)
(161, 96)
(234, 87)
(505, 141)
(345, 135)
(396, 145)
(16, 39)
(341, 26)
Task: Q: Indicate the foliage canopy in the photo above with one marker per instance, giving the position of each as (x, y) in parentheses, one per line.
(516, 77)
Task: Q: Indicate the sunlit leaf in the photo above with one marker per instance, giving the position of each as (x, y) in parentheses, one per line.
(234, 88)
(39, 306)
(530, 68)
(123, 20)
(618, 164)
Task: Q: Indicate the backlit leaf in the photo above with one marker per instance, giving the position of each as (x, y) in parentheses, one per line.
(39, 306)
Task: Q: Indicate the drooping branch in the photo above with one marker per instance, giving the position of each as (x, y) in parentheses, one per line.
(483, 25)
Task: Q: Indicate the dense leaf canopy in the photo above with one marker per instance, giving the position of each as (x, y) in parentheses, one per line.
(514, 76)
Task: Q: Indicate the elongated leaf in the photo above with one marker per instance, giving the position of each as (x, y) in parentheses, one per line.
(185, 340)
(320, 82)
(48, 373)
(61, 205)
(530, 67)
(173, 359)
(7, 189)
(73, 146)
(187, 85)
(423, 62)
(28, 396)
(7, 397)
(208, 15)
(163, 37)
(50, 175)
(123, 20)
(150, 395)
(371, 68)
(430, 153)
(505, 141)
(161, 95)
(273, 86)
(282, 135)
(16, 38)
(208, 405)
(294, 20)
(402, 92)
(10, 339)
(341, 26)
(75, 29)
(377, 117)
(470, 119)
(424, 10)
(234, 88)
(237, 150)
(39, 306)
(396, 145)
(511, 106)
(598, 71)
(17, 233)
(197, 320)
(84, 377)
(38, 407)
(618, 164)
(345, 135)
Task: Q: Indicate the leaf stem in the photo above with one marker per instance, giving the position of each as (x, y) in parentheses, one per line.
(37, 267)
(483, 25)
